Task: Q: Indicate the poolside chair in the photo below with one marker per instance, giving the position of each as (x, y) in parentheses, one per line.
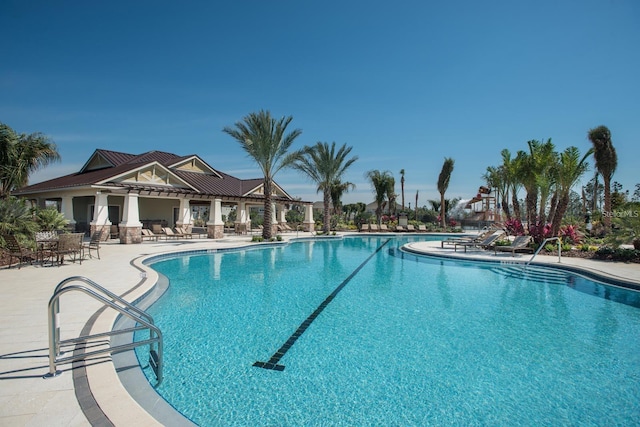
(170, 234)
(422, 228)
(364, 228)
(69, 244)
(400, 228)
(488, 242)
(462, 239)
(184, 232)
(383, 227)
(373, 227)
(15, 250)
(93, 244)
(149, 235)
(411, 228)
(519, 243)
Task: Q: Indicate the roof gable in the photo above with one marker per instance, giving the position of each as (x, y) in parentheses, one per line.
(194, 164)
(153, 174)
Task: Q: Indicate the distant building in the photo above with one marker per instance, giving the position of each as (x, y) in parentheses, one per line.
(134, 191)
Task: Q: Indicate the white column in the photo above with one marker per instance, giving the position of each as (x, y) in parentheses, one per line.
(66, 209)
(274, 216)
(131, 213)
(101, 210)
(184, 216)
(283, 214)
(215, 215)
(241, 213)
(308, 218)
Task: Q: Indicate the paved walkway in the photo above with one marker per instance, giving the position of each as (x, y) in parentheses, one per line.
(26, 399)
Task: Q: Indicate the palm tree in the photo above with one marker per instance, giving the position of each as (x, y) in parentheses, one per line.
(265, 140)
(570, 169)
(20, 156)
(511, 167)
(337, 190)
(496, 178)
(532, 166)
(443, 184)
(606, 163)
(381, 182)
(324, 166)
(402, 186)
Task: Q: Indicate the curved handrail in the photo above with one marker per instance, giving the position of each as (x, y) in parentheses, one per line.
(549, 239)
(127, 309)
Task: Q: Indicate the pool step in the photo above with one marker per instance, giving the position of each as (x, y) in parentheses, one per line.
(532, 273)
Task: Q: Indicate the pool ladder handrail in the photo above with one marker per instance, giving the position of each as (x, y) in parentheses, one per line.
(549, 239)
(113, 301)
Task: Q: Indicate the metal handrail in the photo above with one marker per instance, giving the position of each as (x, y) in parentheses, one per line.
(113, 301)
(543, 245)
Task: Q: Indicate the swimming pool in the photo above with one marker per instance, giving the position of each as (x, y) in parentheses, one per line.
(402, 341)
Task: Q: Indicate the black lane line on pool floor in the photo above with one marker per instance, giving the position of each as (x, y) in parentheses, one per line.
(275, 358)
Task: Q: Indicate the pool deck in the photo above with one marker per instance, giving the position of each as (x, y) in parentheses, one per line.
(93, 394)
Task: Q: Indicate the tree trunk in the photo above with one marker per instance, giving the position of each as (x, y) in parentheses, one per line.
(268, 214)
(443, 221)
(531, 202)
(516, 206)
(553, 206)
(607, 204)
(327, 215)
(561, 209)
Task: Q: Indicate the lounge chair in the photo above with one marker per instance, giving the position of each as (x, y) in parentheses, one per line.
(170, 234)
(411, 228)
(466, 239)
(422, 228)
(184, 232)
(364, 228)
(488, 242)
(383, 227)
(400, 228)
(519, 243)
(149, 235)
(15, 250)
(93, 244)
(373, 227)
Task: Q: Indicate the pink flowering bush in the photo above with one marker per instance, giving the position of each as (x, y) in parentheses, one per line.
(539, 232)
(569, 234)
(514, 227)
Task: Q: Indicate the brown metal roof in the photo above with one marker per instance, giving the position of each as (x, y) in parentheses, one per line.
(224, 185)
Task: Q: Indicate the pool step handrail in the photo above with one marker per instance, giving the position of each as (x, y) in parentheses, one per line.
(542, 246)
(111, 300)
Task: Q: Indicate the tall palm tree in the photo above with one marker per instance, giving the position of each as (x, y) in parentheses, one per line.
(443, 184)
(325, 166)
(606, 163)
(20, 156)
(402, 186)
(265, 140)
(381, 182)
(570, 168)
(532, 166)
(496, 178)
(338, 188)
(511, 167)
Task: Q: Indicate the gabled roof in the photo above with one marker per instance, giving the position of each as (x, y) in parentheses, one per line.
(158, 171)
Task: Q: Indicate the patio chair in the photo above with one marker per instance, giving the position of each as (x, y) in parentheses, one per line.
(488, 242)
(422, 228)
(69, 244)
(15, 250)
(93, 244)
(411, 228)
(364, 228)
(169, 233)
(184, 232)
(400, 228)
(519, 243)
(149, 235)
(373, 227)
(383, 227)
(46, 241)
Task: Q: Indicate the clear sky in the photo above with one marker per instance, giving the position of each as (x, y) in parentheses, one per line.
(406, 83)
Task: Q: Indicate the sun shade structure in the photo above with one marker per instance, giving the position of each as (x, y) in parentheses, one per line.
(136, 191)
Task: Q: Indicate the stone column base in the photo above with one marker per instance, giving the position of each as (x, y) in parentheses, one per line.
(215, 231)
(309, 226)
(105, 231)
(129, 235)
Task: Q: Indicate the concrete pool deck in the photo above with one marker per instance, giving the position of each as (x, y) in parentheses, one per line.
(93, 394)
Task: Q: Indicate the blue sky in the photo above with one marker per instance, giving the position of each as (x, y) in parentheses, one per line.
(405, 83)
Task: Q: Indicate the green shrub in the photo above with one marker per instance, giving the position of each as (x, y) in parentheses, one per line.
(257, 239)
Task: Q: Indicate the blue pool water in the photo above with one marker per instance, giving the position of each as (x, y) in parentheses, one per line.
(406, 340)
